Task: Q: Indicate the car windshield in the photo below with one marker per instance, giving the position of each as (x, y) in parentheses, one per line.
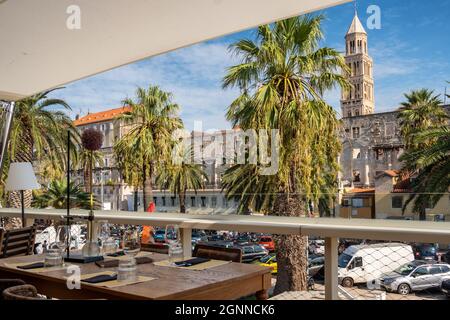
(317, 261)
(265, 259)
(265, 239)
(160, 232)
(248, 250)
(258, 248)
(344, 259)
(428, 250)
(405, 269)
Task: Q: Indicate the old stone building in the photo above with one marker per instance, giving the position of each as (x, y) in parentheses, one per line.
(371, 141)
(108, 185)
(372, 145)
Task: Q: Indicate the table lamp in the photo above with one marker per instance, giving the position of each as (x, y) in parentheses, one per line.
(21, 177)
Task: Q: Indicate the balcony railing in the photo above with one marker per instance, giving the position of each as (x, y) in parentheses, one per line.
(331, 229)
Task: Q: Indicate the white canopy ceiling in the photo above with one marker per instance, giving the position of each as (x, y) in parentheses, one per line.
(38, 51)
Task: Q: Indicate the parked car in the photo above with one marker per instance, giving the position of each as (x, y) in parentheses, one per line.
(414, 276)
(315, 267)
(267, 242)
(367, 262)
(243, 239)
(216, 237)
(425, 251)
(345, 243)
(446, 257)
(270, 261)
(48, 236)
(160, 236)
(198, 236)
(253, 252)
(220, 243)
(316, 246)
(445, 287)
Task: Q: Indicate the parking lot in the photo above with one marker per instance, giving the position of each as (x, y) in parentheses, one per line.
(357, 292)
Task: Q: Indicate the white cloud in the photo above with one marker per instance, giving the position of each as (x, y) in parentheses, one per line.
(192, 74)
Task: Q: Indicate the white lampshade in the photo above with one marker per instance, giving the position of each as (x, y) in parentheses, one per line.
(21, 177)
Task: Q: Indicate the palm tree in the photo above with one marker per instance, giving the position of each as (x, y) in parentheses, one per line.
(419, 114)
(282, 77)
(182, 176)
(421, 110)
(85, 165)
(130, 169)
(152, 120)
(55, 196)
(431, 163)
(39, 132)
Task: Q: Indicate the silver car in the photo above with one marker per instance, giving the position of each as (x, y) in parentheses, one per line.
(414, 276)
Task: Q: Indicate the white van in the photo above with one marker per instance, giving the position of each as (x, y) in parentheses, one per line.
(366, 263)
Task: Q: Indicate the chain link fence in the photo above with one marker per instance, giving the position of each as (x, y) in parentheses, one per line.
(389, 270)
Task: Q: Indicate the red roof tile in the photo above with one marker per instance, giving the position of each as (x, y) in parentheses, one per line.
(392, 173)
(101, 116)
(361, 190)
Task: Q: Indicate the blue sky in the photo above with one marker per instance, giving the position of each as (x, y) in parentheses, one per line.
(410, 51)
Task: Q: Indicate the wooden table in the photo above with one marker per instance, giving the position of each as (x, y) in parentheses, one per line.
(228, 281)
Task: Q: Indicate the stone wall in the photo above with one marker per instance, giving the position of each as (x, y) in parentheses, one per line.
(371, 144)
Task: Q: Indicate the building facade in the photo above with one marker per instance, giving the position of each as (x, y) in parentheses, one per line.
(108, 186)
(212, 152)
(372, 144)
(371, 141)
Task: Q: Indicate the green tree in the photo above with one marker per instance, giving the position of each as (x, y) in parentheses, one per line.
(431, 164)
(152, 120)
(421, 110)
(55, 196)
(129, 167)
(84, 164)
(39, 132)
(180, 176)
(282, 77)
(420, 113)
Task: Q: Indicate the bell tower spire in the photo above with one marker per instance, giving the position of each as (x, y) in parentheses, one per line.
(360, 99)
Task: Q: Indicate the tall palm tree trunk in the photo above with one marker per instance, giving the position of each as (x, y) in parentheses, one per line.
(144, 183)
(15, 198)
(182, 197)
(422, 212)
(291, 249)
(136, 198)
(147, 184)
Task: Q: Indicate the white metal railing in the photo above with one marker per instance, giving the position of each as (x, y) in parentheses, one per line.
(329, 228)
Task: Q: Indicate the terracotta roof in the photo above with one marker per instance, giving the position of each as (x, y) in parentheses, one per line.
(392, 173)
(100, 116)
(361, 190)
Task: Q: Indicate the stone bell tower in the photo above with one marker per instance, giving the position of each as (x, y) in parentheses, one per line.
(360, 99)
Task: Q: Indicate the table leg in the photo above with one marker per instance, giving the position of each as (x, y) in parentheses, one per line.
(262, 295)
